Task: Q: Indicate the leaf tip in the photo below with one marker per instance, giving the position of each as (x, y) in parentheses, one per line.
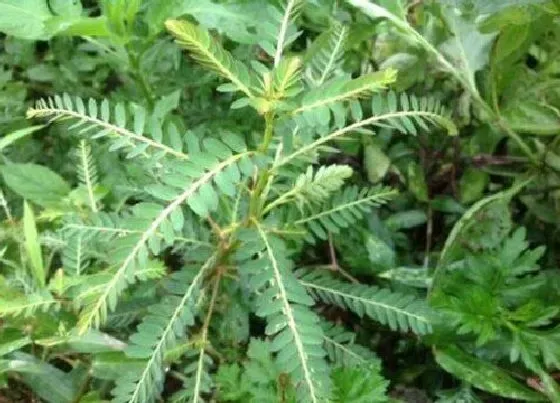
(173, 26)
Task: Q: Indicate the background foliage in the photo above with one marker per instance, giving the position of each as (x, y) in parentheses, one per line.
(279, 201)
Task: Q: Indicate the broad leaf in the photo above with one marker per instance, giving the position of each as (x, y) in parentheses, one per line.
(36, 183)
(12, 340)
(233, 20)
(24, 18)
(532, 117)
(32, 245)
(483, 374)
(49, 383)
(41, 19)
(376, 162)
(468, 49)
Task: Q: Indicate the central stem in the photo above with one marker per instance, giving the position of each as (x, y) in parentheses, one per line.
(268, 132)
(262, 178)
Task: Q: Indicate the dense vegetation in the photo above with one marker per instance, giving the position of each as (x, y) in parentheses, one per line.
(279, 201)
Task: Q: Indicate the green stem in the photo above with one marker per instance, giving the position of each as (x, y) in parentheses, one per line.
(492, 115)
(255, 204)
(501, 123)
(376, 11)
(281, 200)
(268, 132)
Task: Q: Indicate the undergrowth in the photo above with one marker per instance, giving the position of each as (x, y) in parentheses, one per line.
(279, 201)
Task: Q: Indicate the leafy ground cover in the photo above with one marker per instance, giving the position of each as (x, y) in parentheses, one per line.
(279, 201)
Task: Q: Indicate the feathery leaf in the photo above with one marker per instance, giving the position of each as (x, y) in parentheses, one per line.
(323, 57)
(398, 311)
(198, 193)
(318, 103)
(296, 333)
(209, 53)
(104, 120)
(343, 210)
(28, 305)
(87, 172)
(314, 187)
(158, 333)
(386, 113)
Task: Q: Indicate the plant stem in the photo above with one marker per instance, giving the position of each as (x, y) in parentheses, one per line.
(492, 115)
(211, 305)
(268, 132)
(262, 179)
(334, 266)
(281, 200)
(376, 11)
(254, 205)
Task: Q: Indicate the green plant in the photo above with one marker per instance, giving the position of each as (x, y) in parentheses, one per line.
(238, 192)
(240, 201)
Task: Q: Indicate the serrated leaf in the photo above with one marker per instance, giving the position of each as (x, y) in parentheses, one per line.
(468, 49)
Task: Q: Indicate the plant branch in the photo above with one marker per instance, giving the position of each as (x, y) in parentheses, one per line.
(204, 338)
(334, 262)
(375, 11)
(262, 178)
(351, 128)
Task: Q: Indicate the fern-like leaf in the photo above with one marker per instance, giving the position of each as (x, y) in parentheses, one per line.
(343, 210)
(278, 30)
(87, 172)
(343, 351)
(191, 184)
(197, 372)
(314, 187)
(207, 176)
(75, 255)
(287, 77)
(324, 55)
(415, 112)
(283, 37)
(198, 381)
(257, 379)
(28, 305)
(430, 111)
(295, 330)
(158, 333)
(398, 311)
(318, 104)
(357, 385)
(89, 286)
(105, 228)
(105, 120)
(205, 50)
